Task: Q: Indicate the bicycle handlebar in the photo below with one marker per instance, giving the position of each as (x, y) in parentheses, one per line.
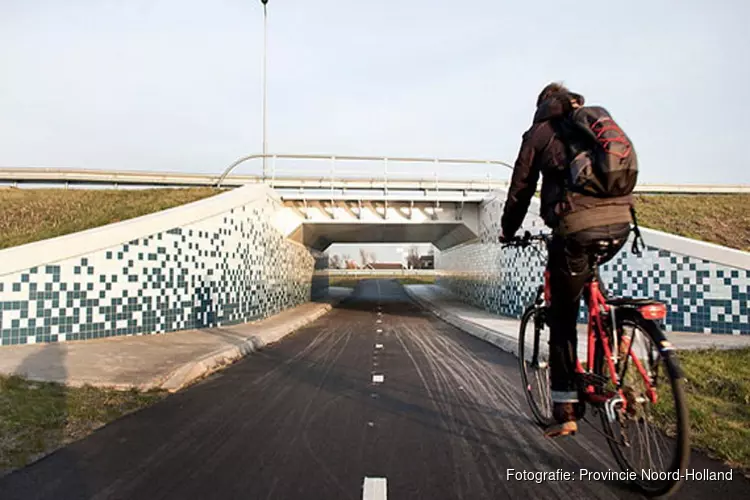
(526, 240)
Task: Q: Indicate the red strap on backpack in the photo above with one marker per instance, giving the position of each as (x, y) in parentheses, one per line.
(605, 141)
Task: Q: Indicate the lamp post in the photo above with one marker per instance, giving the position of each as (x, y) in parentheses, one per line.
(265, 86)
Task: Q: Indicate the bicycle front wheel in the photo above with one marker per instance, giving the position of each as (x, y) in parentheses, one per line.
(533, 361)
(646, 437)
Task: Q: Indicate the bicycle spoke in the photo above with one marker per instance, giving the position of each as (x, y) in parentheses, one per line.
(649, 447)
(545, 396)
(646, 436)
(658, 441)
(540, 388)
(641, 446)
(535, 374)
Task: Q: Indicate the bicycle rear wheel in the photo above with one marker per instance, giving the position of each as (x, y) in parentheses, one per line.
(535, 374)
(649, 438)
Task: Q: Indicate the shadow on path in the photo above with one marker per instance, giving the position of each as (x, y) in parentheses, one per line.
(46, 411)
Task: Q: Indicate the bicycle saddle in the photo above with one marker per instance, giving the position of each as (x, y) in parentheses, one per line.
(632, 301)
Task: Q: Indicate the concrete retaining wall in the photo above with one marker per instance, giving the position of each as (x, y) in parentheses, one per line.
(706, 286)
(217, 261)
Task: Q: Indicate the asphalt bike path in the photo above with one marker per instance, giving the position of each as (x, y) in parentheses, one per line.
(376, 398)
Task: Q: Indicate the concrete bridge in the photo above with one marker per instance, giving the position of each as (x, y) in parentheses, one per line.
(317, 224)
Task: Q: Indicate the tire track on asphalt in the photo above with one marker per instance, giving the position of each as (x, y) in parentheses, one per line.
(461, 375)
(445, 372)
(449, 370)
(213, 444)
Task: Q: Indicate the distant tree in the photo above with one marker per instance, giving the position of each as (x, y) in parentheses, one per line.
(412, 258)
(366, 257)
(334, 261)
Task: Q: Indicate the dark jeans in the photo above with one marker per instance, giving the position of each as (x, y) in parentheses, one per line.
(569, 266)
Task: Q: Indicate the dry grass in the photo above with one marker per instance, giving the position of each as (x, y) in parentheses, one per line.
(28, 215)
(717, 396)
(352, 281)
(718, 399)
(718, 218)
(36, 418)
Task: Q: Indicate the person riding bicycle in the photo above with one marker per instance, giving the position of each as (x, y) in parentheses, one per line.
(577, 221)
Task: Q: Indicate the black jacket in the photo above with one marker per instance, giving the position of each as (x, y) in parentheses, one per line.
(544, 152)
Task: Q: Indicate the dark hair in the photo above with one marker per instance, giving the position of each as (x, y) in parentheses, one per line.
(552, 88)
(557, 88)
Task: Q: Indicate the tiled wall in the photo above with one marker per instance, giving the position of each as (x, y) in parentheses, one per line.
(229, 268)
(320, 278)
(702, 296)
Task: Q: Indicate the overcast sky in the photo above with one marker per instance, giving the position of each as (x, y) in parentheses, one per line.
(175, 84)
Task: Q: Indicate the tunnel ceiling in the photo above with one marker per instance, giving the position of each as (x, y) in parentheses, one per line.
(441, 234)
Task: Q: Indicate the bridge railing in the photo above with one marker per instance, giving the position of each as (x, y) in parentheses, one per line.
(381, 273)
(322, 175)
(380, 171)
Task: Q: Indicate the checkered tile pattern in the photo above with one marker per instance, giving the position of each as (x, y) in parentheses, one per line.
(230, 268)
(702, 296)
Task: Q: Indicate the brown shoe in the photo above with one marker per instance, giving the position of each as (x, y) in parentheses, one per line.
(565, 416)
(564, 429)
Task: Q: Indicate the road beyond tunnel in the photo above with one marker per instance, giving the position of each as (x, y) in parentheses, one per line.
(376, 398)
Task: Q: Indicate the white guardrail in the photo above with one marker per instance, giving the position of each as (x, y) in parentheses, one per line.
(368, 273)
(331, 173)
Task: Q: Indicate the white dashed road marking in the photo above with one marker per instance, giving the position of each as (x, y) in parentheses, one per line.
(379, 330)
(378, 346)
(375, 488)
(378, 379)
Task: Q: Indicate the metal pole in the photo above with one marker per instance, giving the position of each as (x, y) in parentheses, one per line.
(273, 170)
(265, 86)
(385, 186)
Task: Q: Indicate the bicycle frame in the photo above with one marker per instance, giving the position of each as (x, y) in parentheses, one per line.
(598, 307)
(619, 400)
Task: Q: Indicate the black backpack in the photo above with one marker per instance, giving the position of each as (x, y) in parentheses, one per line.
(603, 161)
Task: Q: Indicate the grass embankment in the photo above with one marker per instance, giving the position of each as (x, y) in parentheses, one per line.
(718, 401)
(717, 392)
(717, 218)
(351, 281)
(28, 215)
(36, 418)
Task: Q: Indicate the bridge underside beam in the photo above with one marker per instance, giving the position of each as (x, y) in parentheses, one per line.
(442, 234)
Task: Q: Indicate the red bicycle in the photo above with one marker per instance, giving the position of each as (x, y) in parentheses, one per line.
(631, 378)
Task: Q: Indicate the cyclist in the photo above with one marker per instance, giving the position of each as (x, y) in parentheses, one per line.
(576, 221)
